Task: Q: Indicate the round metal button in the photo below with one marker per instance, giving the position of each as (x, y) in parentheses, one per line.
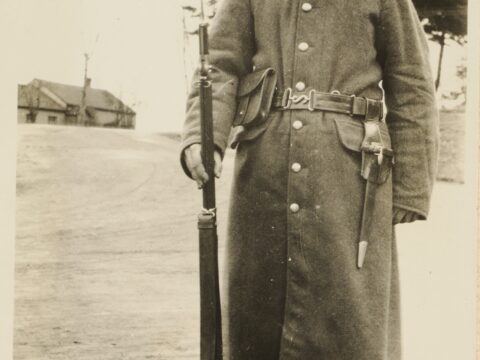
(294, 207)
(303, 46)
(296, 167)
(300, 86)
(297, 124)
(306, 7)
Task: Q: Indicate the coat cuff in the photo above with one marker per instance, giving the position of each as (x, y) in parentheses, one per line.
(421, 215)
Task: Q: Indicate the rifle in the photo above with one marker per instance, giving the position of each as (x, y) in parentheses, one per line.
(210, 314)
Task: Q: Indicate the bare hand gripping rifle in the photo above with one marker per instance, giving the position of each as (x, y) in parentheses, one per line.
(210, 314)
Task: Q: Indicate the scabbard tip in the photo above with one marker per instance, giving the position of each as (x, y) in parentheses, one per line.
(362, 250)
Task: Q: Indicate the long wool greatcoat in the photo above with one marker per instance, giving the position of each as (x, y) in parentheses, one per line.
(294, 291)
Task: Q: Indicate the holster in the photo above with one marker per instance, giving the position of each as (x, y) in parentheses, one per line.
(254, 97)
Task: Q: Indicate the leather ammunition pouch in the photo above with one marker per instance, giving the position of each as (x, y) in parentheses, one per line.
(254, 97)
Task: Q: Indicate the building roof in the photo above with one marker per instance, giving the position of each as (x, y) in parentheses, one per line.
(72, 95)
(31, 96)
(22, 98)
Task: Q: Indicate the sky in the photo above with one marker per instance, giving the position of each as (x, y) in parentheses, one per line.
(135, 49)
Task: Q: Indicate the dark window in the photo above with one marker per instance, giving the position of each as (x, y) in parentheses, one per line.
(52, 119)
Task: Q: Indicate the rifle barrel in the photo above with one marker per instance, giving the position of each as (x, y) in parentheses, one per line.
(210, 313)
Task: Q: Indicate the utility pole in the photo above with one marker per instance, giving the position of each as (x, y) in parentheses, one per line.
(83, 104)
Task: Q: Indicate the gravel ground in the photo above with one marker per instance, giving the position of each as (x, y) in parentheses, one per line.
(106, 253)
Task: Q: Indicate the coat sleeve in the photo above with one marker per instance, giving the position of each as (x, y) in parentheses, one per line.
(231, 48)
(412, 114)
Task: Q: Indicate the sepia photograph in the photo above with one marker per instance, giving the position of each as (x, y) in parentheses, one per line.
(239, 179)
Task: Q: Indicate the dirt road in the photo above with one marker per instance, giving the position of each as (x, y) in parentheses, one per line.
(106, 248)
(106, 253)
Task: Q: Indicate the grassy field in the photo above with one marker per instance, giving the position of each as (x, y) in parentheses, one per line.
(106, 252)
(452, 147)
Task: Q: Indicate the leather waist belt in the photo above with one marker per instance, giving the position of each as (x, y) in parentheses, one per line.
(313, 100)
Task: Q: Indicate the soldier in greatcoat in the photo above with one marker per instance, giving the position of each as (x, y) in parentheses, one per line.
(299, 283)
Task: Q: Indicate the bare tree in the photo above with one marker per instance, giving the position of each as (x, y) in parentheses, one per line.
(32, 98)
(445, 20)
(192, 12)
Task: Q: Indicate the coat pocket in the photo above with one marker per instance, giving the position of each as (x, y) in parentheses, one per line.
(377, 157)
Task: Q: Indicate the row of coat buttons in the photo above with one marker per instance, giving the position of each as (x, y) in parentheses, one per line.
(294, 207)
(303, 46)
(297, 125)
(300, 86)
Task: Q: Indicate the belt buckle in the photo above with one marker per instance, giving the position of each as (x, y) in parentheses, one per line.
(287, 99)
